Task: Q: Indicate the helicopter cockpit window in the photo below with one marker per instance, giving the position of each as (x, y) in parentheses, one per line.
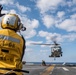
(56, 48)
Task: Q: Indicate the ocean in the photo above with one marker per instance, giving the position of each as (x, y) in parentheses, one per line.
(49, 63)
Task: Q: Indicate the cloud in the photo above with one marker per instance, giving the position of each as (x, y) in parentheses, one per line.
(73, 16)
(74, 2)
(43, 33)
(46, 5)
(6, 2)
(30, 31)
(70, 37)
(68, 25)
(60, 14)
(50, 36)
(14, 4)
(30, 25)
(5, 11)
(30, 34)
(57, 37)
(48, 21)
(34, 23)
(22, 8)
(60, 17)
(12, 11)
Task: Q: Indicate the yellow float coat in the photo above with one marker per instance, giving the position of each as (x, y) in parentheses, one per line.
(11, 50)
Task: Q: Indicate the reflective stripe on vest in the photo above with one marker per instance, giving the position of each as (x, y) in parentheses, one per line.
(4, 37)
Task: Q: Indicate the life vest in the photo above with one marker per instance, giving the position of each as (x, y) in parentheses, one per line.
(11, 50)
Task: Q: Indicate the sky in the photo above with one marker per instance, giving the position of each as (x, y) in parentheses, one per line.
(46, 20)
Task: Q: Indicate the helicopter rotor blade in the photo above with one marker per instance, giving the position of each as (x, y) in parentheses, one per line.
(41, 44)
(55, 43)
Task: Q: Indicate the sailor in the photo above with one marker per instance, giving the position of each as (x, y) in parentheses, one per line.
(12, 45)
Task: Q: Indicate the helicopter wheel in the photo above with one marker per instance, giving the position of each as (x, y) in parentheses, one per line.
(61, 54)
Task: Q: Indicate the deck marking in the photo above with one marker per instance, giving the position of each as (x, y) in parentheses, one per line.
(48, 70)
(65, 69)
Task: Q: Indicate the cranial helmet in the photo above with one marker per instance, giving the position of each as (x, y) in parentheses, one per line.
(11, 21)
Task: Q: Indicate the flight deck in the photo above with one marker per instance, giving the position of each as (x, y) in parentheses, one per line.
(50, 70)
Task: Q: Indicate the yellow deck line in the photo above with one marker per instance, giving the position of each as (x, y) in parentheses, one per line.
(48, 70)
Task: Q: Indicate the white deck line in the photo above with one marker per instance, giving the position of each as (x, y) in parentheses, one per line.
(65, 69)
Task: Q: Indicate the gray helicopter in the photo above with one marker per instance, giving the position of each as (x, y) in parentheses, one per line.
(56, 50)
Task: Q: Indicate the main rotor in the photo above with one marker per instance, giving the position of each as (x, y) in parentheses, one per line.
(55, 44)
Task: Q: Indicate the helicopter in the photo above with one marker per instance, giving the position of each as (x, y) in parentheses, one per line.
(56, 50)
